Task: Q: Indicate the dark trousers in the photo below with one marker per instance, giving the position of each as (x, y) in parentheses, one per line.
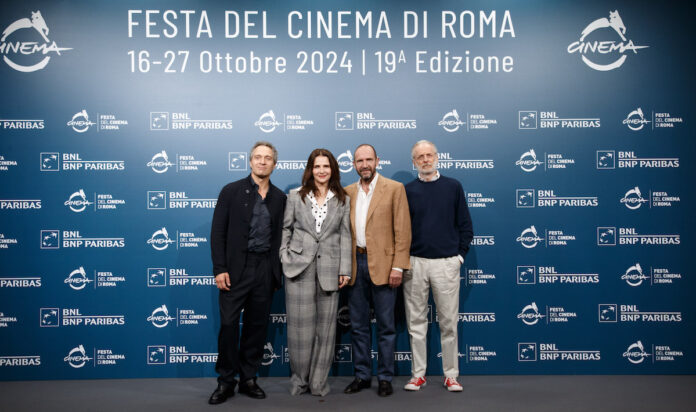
(253, 292)
(383, 298)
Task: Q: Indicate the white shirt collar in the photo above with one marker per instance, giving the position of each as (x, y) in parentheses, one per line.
(329, 195)
(373, 183)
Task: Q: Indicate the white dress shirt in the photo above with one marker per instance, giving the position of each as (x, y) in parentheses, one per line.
(362, 204)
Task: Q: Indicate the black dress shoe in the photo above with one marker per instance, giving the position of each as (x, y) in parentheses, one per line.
(385, 388)
(221, 393)
(251, 389)
(357, 385)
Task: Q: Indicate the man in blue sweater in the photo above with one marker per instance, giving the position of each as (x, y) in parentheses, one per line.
(441, 234)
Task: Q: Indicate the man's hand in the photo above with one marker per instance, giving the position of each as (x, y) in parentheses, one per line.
(222, 281)
(395, 278)
(343, 281)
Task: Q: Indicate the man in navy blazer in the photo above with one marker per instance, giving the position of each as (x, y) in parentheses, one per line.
(244, 241)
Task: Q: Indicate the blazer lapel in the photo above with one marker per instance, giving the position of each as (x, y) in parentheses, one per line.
(332, 211)
(306, 215)
(376, 198)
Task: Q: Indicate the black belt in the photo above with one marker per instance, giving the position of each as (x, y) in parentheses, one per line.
(361, 250)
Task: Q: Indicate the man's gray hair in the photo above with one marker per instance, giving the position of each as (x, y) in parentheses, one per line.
(420, 142)
(269, 145)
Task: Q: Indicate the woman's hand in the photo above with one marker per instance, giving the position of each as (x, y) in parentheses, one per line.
(343, 281)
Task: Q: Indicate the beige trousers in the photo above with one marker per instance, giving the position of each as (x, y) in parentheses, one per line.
(442, 276)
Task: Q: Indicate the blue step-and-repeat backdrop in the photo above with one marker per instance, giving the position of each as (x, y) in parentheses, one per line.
(568, 124)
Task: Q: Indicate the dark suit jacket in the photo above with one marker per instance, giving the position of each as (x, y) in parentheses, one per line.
(229, 234)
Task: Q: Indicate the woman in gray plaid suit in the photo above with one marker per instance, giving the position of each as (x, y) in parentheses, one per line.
(316, 254)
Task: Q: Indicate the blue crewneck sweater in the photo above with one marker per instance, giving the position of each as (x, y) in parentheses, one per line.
(440, 220)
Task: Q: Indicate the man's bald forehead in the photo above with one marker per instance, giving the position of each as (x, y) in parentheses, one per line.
(366, 145)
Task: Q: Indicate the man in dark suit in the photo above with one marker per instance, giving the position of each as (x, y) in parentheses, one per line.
(245, 241)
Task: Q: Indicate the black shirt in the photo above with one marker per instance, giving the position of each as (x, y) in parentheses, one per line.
(260, 226)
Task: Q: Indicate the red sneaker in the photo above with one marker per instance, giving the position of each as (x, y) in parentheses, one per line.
(452, 385)
(415, 384)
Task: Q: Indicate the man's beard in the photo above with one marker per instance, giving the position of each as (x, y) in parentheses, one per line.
(368, 178)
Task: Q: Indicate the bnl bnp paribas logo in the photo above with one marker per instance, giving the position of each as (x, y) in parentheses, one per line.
(25, 45)
(157, 200)
(534, 119)
(368, 121)
(531, 352)
(51, 162)
(157, 278)
(237, 161)
(610, 159)
(529, 198)
(613, 313)
(161, 354)
(50, 239)
(184, 121)
(531, 275)
(603, 52)
(53, 318)
(611, 236)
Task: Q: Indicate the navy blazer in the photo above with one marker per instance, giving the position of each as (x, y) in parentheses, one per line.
(229, 234)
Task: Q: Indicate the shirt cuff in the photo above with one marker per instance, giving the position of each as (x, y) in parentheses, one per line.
(398, 270)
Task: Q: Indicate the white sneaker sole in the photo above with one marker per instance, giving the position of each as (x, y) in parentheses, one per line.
(414, 388)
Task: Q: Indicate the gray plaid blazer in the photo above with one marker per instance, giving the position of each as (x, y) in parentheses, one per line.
(301, 243)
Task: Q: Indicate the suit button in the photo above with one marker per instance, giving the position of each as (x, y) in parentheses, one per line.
(318, 256)
(317, 240)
